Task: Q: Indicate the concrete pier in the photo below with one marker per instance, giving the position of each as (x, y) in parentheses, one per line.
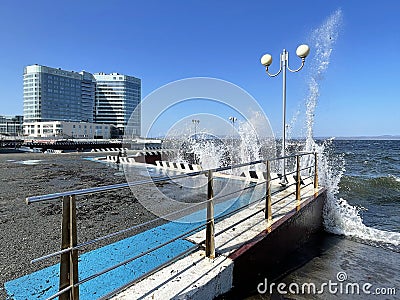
(244, 252)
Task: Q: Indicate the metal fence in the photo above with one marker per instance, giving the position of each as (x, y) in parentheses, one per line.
(305, 168)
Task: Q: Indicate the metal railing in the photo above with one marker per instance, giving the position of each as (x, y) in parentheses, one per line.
(69, 282)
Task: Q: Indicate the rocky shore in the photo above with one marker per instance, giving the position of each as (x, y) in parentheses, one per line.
(31, 231)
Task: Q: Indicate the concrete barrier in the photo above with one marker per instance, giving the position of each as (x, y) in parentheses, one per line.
(153, 157)
(188, 167)
(180, 166)
(109, 150)
(112, 158)
(253, 175)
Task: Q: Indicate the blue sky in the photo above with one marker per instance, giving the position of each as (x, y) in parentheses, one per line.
(164, 41)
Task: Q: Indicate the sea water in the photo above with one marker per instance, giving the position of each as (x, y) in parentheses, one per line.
(369, 189)
(360, 246)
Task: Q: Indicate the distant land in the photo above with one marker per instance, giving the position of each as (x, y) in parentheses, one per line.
(376, 137)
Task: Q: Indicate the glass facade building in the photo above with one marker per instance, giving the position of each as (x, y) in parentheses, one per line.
(117, 98)
(57, 95)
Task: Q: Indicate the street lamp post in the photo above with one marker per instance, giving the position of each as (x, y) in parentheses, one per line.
(195, 122)
(233, 120)
(302, 51)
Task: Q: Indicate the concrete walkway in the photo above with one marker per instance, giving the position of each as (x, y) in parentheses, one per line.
(198, 277)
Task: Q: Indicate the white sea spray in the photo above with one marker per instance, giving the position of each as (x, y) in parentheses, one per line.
(339, 216)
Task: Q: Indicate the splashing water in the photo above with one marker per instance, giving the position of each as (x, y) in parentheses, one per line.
(323, 39)
(209, 153)
(251, 146)
(250, 142)
(339, 216)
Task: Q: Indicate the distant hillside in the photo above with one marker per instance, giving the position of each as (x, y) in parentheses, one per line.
(377, 137)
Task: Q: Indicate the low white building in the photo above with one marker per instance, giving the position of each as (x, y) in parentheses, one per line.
(66, 129)
(11, 125)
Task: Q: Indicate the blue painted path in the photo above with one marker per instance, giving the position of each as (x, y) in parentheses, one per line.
(44, 283)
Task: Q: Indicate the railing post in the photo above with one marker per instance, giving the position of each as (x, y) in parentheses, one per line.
(210, 243)
(315, 173)
(268, 209)
(298, 182)
(69, 260)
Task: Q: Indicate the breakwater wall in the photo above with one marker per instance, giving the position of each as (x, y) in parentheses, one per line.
(72, 145)
(10, 143)
(148, 157)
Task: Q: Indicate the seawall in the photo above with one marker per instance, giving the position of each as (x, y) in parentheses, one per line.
(264, 256)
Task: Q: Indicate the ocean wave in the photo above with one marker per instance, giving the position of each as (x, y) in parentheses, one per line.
(344, 219)
(362, 183)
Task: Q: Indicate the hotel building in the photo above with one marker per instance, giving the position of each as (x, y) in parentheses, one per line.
(117, 97)
(57, 95)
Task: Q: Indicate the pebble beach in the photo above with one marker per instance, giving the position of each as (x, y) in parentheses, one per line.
(31, 231)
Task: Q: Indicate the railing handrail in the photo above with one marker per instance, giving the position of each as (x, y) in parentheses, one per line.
(106, 188)
(69, 252)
